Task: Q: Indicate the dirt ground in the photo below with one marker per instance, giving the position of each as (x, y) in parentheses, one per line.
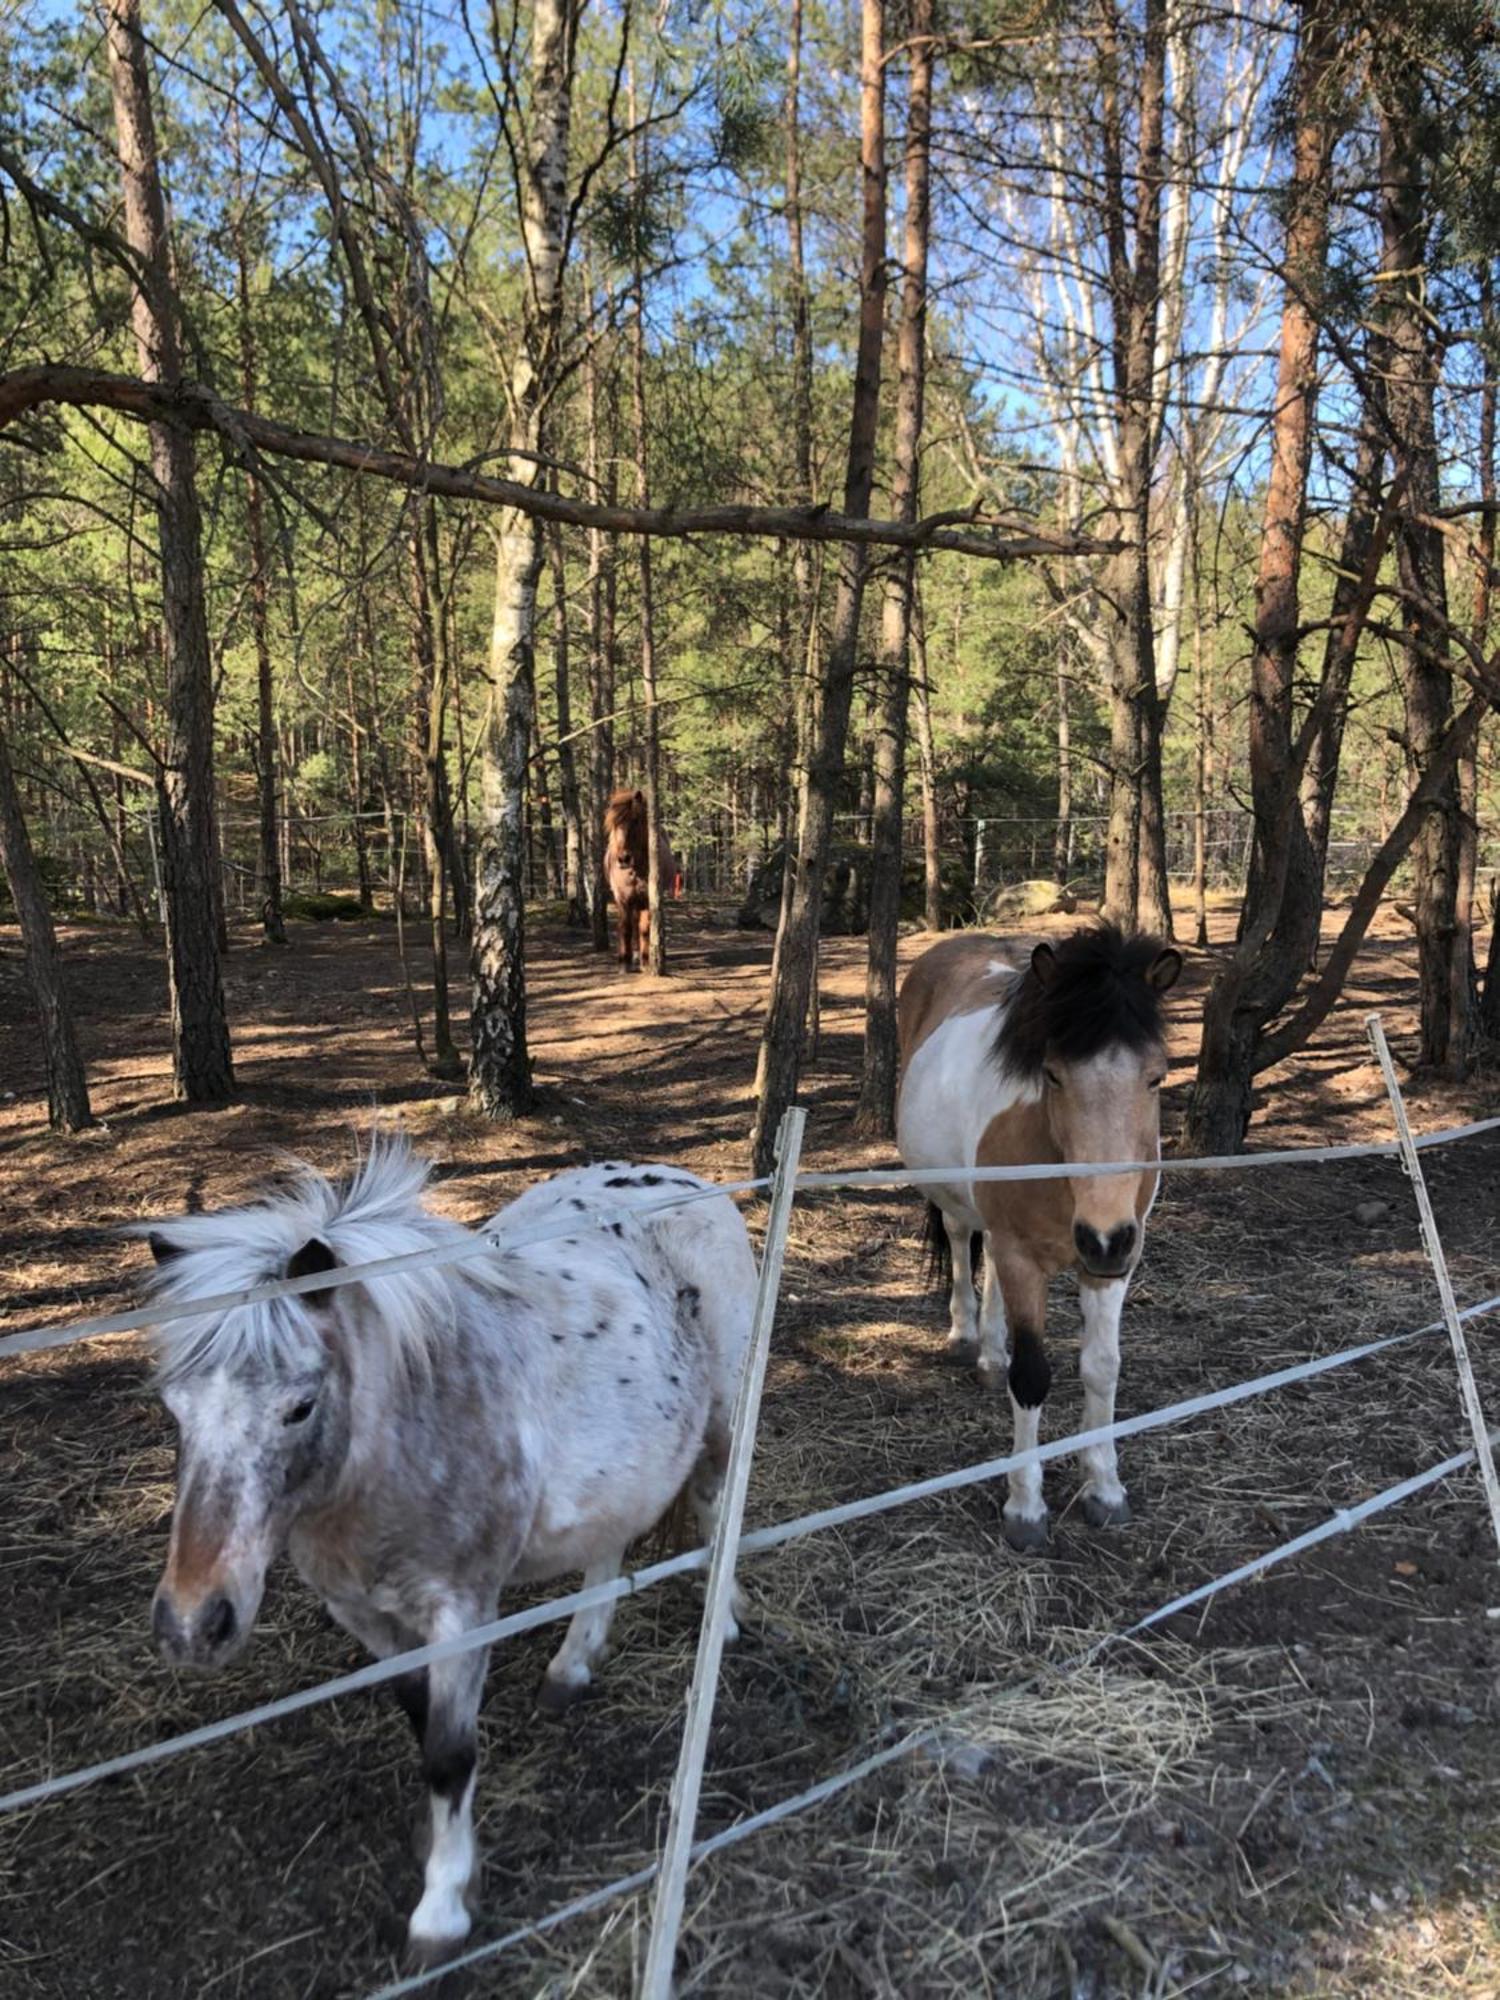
(1294, 1792)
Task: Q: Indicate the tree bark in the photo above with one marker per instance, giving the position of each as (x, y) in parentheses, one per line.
(574, 885)
(1270, 954)
(656, 950)
(1484, 567)
(1136, 891)
(272, 921)
(67, 1086)
(202, 1069)
(1410, 370)
(932, 858)
(794, 963)
(500, 1065)
(875, 1116)
(429, 660)
(1062, 843)
(601, 671)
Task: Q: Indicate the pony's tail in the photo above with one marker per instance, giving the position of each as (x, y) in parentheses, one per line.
(938, 1252)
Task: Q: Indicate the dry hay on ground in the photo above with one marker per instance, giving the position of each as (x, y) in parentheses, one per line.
(1290, 1792)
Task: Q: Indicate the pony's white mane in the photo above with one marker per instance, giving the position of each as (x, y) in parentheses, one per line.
(377, 1212)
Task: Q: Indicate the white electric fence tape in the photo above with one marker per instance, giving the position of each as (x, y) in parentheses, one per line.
(498, 1241)
(926, 1738)
(32, 1340)
(757, 1542)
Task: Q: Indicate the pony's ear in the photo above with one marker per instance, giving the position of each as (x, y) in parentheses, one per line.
(314, 1255)
(1044, 965)
(163, 1249)
(1163, 970)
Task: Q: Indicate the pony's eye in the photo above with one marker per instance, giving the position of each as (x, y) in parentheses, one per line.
(1053, 1078)
(300, 1412)
(1156, 1083)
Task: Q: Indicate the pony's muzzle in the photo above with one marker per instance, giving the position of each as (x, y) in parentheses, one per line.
(1106, 1256)
(206, 1634)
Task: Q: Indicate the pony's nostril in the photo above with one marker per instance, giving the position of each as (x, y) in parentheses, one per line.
(1088, 1241)
(163, 1624)
(218, 1622)
(1122, 1241)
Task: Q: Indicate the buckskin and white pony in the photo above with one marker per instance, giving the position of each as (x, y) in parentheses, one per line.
(1011, 1055)
(421, 1441)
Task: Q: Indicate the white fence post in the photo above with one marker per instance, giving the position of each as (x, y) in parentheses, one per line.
(1411, 1161)
(671, 1882)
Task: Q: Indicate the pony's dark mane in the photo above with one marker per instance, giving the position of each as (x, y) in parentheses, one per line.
(1097, 997)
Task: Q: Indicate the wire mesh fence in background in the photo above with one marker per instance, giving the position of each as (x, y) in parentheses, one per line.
(335, 863)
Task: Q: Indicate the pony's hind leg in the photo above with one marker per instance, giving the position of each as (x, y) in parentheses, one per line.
(1103, 1497)
(962, 1314)
(450, 1749)
(706, 1490)
(571, 1667)
(993, 1352)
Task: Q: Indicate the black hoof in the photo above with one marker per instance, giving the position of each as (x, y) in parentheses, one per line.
(427, 1954)
(557, 1697)
(1025, 1537)
(1105, 1513)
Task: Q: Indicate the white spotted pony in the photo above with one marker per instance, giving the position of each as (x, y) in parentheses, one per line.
(420, 1441)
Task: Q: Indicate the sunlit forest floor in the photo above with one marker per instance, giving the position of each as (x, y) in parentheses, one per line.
(1297, 1791)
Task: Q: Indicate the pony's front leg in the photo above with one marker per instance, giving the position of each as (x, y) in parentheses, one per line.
(450, 1751)
(1023, 1289)
(572, 1666)
(1103, 1497)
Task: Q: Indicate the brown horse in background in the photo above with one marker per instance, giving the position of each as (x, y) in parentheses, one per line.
(627, 872)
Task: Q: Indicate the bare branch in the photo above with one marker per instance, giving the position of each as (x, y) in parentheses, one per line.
(196, 408)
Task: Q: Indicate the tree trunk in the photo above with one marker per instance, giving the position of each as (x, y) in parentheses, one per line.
(656, 953)
(574, 885)
(362, 873)
(932, 858)
(875, 1117)
(601, 657)
(429, 664)
(1410, 370)
(202, 1069)
(271, 867)
(67, 1086)
(1307, 864)
(1135, 871)
(1062, 832)
(1484, 564)
(500, 1065)
(260, 621)
(1269, 957)
(793, 968)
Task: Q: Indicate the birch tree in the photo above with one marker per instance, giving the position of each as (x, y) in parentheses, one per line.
(500, 1064)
